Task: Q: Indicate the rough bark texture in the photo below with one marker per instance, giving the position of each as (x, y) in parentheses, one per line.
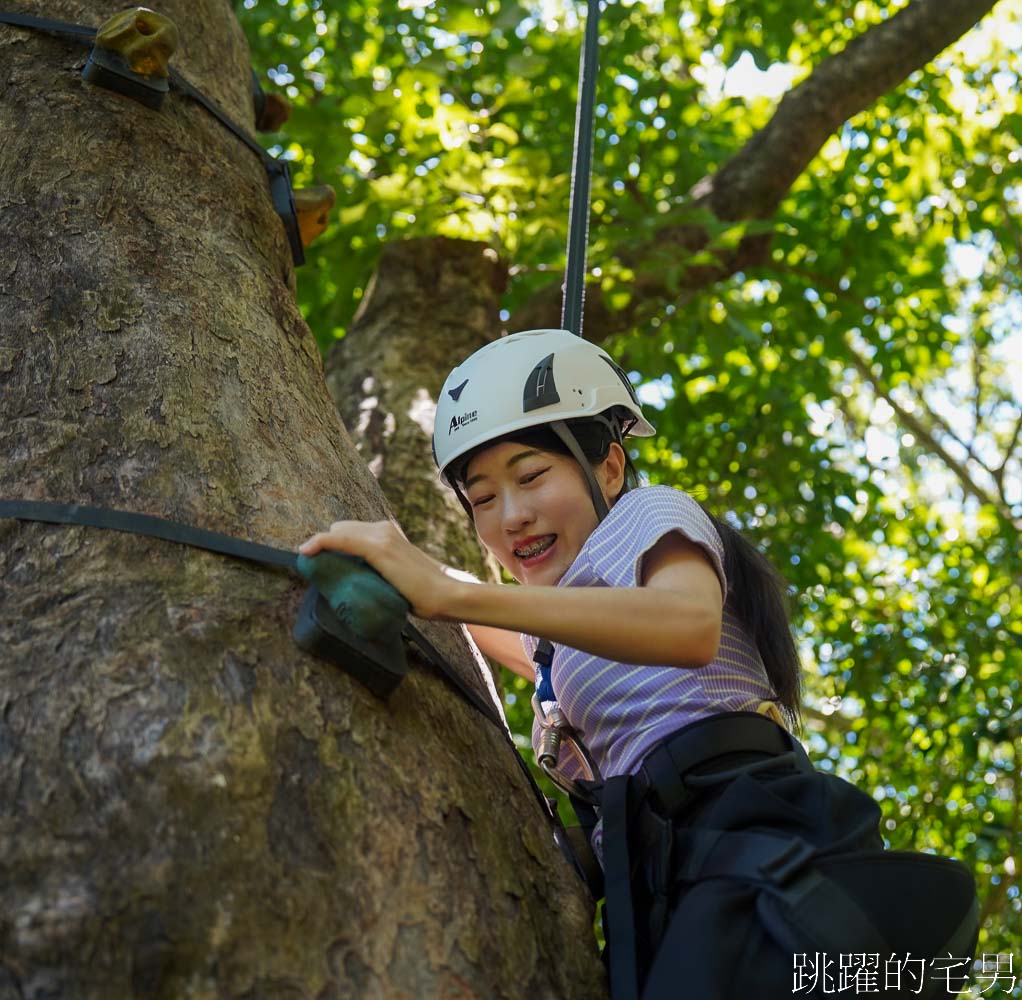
(190, 806)
(754, 181)
(430, 304)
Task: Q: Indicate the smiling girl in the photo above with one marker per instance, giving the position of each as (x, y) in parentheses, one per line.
(662, 651)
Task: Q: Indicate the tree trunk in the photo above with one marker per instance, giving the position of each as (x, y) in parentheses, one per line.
(189, 805)
(431, 302)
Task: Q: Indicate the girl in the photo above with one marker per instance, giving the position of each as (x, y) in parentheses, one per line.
(664, 659)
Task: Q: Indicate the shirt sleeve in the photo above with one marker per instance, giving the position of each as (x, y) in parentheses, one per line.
(637, 522)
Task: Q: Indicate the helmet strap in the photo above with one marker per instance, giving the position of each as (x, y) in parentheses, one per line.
(462, 499)
(560, 428)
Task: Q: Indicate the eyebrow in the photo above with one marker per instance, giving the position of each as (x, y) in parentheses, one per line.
(511, 461)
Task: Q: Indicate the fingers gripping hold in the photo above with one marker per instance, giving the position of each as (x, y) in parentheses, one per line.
(383, 545)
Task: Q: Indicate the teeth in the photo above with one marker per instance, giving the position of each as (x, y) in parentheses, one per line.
(536, 547)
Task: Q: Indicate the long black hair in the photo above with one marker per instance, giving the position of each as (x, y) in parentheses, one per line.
(757, 593)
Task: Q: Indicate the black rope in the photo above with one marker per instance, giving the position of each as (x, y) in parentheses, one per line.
(573, 291)
(581, 169)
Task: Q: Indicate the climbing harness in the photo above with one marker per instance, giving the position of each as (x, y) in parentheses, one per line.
(109, 70)
(732, 804)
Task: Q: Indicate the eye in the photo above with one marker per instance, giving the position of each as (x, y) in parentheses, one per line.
(533, 475)
(481, 501)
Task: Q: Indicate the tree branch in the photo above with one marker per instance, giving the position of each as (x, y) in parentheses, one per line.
(910, 421)
(753, 182)
(907, 418)
(998, 473)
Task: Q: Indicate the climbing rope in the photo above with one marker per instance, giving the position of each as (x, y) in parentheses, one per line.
(573, 292)
(556, 732)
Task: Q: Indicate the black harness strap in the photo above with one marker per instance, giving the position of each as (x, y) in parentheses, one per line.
(806, 895)
(619, 908)
(277, 171)
(783, 865)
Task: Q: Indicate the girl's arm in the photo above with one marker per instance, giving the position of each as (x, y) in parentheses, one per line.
(497, 643)
(503, 646)
(674, 619)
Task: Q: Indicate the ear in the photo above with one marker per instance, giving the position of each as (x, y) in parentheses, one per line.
(611, 472)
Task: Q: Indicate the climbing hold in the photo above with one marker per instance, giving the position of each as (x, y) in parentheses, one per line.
(313, 206)
(271, 110)
(132, 54)
(361, 598)
(352, 617)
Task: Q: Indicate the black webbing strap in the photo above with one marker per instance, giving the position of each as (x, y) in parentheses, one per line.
(87, 36)
(173, 531)
(190, 90)
(147, 524)
(74, 32)
(277, 171)
(822, 911)
(619, 908)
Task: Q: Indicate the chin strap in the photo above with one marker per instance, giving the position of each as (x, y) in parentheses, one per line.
(560, 428)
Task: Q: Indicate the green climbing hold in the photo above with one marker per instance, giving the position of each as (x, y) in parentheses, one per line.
(358, 595)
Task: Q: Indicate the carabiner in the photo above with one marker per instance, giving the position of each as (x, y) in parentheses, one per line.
(557, 730)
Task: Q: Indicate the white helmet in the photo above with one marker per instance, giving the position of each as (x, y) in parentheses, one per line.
(528, 379)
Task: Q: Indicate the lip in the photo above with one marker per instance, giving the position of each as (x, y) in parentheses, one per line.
(537, 559)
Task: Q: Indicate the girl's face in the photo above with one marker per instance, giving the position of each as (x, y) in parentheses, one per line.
(532, 508)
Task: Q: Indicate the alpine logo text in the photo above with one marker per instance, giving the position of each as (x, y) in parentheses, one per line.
(458, 422)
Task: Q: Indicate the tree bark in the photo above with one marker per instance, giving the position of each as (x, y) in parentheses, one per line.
(752, 184)
(189, 805)
(431, 302)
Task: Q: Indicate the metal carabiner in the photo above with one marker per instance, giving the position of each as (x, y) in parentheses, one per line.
(556, 730)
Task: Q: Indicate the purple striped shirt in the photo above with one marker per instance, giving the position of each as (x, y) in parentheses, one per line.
(622, 709)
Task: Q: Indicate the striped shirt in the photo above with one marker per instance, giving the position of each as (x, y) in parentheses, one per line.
(621, 709)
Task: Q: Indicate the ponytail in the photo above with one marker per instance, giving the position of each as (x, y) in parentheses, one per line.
(757, 594)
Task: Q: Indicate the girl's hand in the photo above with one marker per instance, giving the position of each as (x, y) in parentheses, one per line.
(421, 580)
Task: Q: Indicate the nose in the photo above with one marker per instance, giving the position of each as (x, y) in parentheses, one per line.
(516, 511)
